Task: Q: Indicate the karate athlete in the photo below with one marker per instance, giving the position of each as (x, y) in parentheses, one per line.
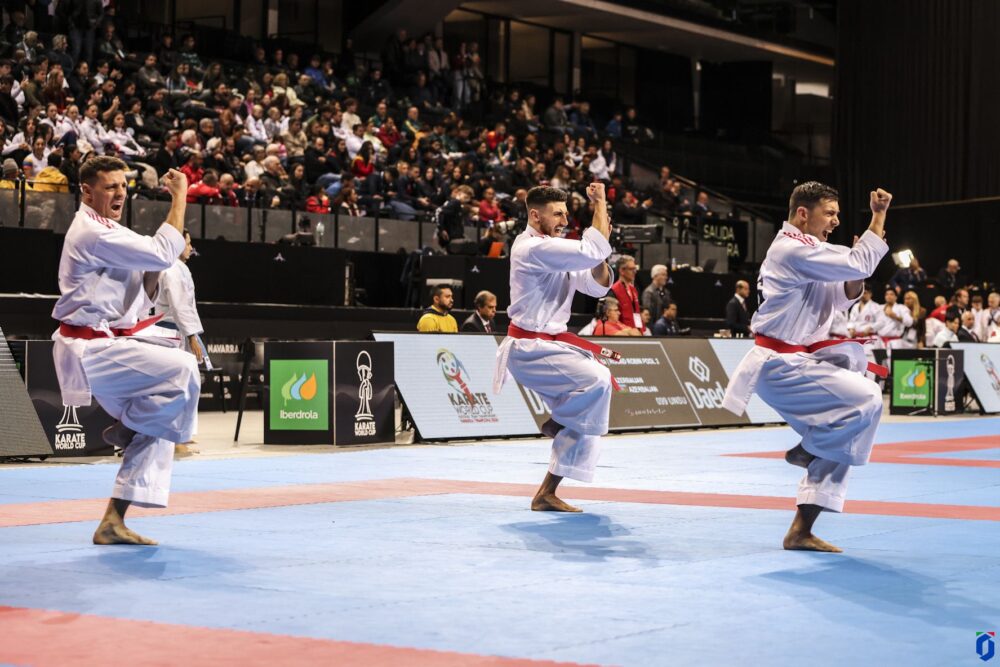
(108, 277)
(179, 310)
(817, 386)
(545, 272)
(893, 320)
(862, 316)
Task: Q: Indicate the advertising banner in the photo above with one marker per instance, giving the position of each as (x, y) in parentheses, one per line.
(446, 383)
(72, 431)
(298, 400)
(982, 368)
(912, 383)
(365, 400)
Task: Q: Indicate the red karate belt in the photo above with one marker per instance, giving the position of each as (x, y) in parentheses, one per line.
(787, 348)
(570, 339)
(87, 333)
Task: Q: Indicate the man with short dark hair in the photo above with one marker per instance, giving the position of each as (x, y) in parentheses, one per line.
(816, 385)
(438, 318)
(108, 278)
(545, 273)
(737, 313)
(482, 320)
(667, 324)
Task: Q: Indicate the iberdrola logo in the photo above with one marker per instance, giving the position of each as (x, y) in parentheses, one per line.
(916, 378)
(299, 388)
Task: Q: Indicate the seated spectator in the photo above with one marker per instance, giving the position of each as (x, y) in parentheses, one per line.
(949, 334)
(737, 312)
(205, 190)
(11, 178)
(914, 334)
(318, 201)
(628, 210)
(949, 277)
(227, 190)
(908, 278)
(581, 121)
(193, 167)
(482, 320)
(614, 127)
(51, 179)
(349, 203)
(940, 307)
(967, 332)
(667, 324)
(37, 160)
(960, 301)
(438, 318)
(488, 210)
(609, 321)
(656, 295)
(555, 117)
(988, 321)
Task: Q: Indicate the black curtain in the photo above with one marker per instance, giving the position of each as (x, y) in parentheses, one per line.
(736, 99)
(666, 90)
(916, 106)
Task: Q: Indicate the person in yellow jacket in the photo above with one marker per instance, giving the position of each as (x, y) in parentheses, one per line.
(50, 179)
(437, 318)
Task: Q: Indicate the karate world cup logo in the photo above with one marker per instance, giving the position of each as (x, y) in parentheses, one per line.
(470, 406)
(364, 420)
(69, 430)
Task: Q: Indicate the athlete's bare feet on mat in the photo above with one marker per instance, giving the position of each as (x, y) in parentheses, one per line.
(545, 499)
(809, 542)
(550, 503)
(798, 456)
(113, 529)
(118, 435)
(800, 537)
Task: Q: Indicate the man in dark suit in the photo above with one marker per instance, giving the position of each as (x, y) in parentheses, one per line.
(949, 277)
(482, 320)
(967, 332)
(737, 314)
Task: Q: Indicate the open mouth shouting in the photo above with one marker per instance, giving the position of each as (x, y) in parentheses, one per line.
(116, 208)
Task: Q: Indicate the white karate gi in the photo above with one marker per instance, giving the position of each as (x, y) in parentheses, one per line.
(823, 395)
(862, 317)
(886, 327)
(143, 381)
(988, 325)
(176, 302)
(545, 273)
(838, 325)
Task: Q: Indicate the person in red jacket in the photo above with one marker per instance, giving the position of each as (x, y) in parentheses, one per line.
(192, 167)
(318, 201)
(206, 190)
(363, 165)
(628, 294)
(488, 209)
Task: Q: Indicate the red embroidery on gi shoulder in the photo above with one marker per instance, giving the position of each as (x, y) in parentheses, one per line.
(104, 221)
(808, 240)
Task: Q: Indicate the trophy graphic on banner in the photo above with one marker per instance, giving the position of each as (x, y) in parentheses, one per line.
(69, 430)
(949, 397)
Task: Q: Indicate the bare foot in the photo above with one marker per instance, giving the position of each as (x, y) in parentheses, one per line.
(118, 435)
(550, 503)
(184, 451)
(551, 428)
(110, 532)
(798, 456)
(808, 542)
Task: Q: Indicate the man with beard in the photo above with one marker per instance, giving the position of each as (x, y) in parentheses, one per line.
(108, 280)
(816, 385)
(438, 318)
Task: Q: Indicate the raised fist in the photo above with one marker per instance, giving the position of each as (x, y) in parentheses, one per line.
(596, 192)
(176, 183)
(880, 200)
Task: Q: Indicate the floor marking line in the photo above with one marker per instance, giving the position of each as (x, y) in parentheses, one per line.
(66, 639)
(914, 453)
(198, 502)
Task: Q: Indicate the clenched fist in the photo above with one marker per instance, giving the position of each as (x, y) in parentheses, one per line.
(596, 192)
(176, 183)
(880, 200)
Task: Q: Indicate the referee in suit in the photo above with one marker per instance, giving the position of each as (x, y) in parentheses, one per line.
(482, 320)
(737, 314)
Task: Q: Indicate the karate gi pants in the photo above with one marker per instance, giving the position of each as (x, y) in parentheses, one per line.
(577, 390)
(153, 390)
(835, 410)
